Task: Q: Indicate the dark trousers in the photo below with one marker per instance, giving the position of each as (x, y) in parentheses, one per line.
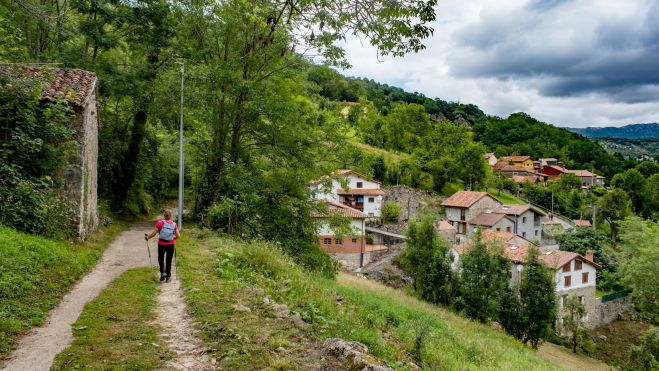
(165, 255)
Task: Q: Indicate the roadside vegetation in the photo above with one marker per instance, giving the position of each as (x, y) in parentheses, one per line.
(219, 273)
(35, 272)
(116, 330)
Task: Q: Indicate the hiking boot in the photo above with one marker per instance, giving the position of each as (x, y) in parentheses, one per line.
(163, 276)
(168, 279)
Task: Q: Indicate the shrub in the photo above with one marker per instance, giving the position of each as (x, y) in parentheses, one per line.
(390, 212)
(647, 353)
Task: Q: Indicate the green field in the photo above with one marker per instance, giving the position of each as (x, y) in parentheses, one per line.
(505, 197)
(36, 272)
(219, 273)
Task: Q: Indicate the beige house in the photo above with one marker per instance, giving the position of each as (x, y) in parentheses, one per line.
(463, 206)
(79, 89)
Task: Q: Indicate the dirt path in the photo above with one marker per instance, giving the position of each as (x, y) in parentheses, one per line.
(37, 350)
(179, 332)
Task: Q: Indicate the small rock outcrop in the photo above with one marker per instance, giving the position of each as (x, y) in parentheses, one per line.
(353, 354)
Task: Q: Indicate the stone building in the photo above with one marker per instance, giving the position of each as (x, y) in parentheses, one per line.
(79, 89)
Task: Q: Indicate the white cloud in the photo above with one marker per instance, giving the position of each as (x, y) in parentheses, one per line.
(569, 62)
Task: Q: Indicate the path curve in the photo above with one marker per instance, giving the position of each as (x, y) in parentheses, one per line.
(37, 350)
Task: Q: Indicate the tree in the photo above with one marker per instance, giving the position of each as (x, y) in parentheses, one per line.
(632, 182)
(613, 207)
(537, 297)
(568, 182)
(639, 256)
(573, 322)
(483, 277)
(426, 260)
(379, 169)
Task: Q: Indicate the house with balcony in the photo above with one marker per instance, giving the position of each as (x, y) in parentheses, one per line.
(463, 206)
(351, 189)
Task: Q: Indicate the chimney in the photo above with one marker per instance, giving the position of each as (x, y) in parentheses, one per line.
(590, 255)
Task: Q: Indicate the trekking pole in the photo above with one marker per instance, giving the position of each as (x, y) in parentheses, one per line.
(148, 249)
(175, 266)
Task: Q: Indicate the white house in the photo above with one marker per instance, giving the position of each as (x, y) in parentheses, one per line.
(527, 220)
(350, 249)
(352, 189)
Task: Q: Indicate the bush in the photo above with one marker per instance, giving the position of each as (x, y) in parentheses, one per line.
(647, 353)
(390, 212)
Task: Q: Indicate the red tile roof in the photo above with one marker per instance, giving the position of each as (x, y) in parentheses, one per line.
(71, 85)
(512, 209)
(497, 235)
(583, 173)
(359, 191)
(339, 208)
(500, 165)
(486, 219)
(444, 225)
(516, 158)
(582, 223)
(520, 179)
(464, 198)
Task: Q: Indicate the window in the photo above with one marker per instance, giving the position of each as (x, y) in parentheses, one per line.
(523, 220)
(568, 281)
(535, 232)
(371, 214)
(371, 199)
(581, 299)
(566, 267)
(338, 241)
(360, 184)
(327, 241)
(523, 234)
(577, 265)
(498, 229)
(507, 229)
(584, 277)
(354, 240)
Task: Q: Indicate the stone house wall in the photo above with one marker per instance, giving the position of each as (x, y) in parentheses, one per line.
(610, 311)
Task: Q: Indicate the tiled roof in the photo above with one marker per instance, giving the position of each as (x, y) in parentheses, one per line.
(71, 85)
(486, 219)
(444, 225)
(339, 208)
(583, 173)
(500, 165)
(516, 169)
(464, 198)
(582, 223)
(512, 209)
(497, 235)
(360, 191)
(516, 158)
(556, 167)
(524, 178)
(342, 172)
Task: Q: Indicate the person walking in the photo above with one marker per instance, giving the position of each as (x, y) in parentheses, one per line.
(168, 233)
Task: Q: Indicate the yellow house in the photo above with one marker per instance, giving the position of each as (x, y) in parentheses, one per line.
(522, 161)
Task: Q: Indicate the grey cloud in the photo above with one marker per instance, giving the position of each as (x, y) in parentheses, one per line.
(609, 54)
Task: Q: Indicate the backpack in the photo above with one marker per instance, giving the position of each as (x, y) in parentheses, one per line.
(167, 231)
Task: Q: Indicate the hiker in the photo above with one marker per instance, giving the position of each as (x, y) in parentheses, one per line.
(167, 232)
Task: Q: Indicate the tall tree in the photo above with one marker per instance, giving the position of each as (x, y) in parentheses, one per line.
(613, 207)
(537, 297)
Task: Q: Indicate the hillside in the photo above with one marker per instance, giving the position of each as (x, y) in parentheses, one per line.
(633, 131)
(631, 148)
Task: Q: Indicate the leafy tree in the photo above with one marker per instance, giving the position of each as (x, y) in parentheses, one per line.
(569, 182)
(648, 168)
(573, 313)
(483, 277)
(511, 315)
(613, 207)
(653, 196)
(379, 168)
(632, 182)
(426, 259)
(638, 257)
(390, 212)
(537, 297)
(647, 352)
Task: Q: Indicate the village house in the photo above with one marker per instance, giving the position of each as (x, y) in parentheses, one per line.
(463, 206)
(351, 249)
(521, 161)
(446, 229)
(491, 221)
(359, 193)
(78, 89)
(574, 275)
(511, 171)
(490, 158)
(588, 178)
(527, 220)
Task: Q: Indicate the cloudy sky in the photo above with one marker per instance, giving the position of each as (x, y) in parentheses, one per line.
(567, 62)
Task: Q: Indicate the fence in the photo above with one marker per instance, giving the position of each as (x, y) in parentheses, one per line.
(614, 296)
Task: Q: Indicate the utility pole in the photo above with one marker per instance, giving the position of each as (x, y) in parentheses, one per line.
(181, 164)
(594, 216)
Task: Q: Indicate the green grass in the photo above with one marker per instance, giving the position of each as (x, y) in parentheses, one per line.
(114, 331)
(505, 197)
(220, 272)
(36, 272)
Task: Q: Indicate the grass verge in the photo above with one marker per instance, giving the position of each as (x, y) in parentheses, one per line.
(114, 331)
(219, 273)
(505, 197)
(36, 272)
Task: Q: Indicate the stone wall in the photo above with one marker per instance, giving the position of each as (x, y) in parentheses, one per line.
(610, 311)
(413, 202)
(351, 261)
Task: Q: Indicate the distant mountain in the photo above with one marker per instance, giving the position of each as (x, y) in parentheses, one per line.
(633, 131)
